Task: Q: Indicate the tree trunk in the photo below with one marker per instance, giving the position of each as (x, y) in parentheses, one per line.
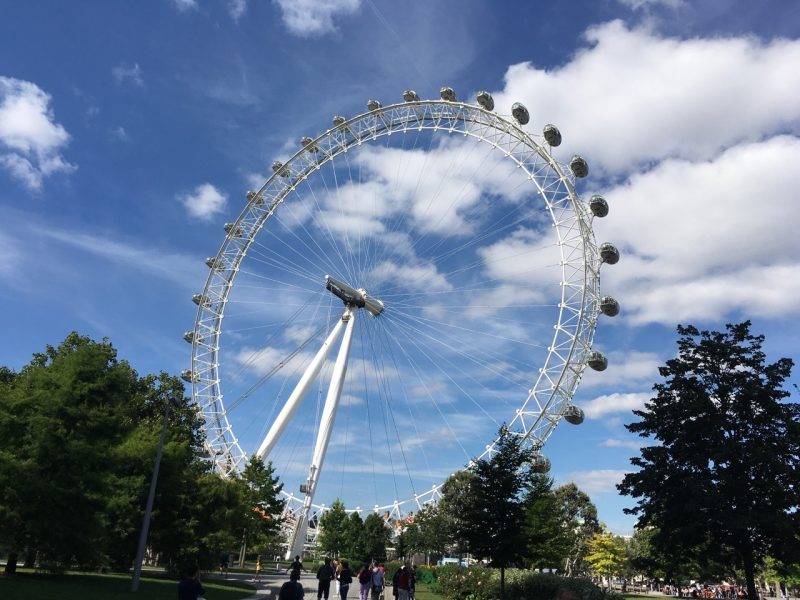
(749, 574)
(11, 563)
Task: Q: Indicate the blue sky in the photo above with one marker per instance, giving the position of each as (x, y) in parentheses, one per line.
(129, 133)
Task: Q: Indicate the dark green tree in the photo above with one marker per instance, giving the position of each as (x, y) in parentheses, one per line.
(332, 539)
(546, 547)
(428, 533)
(494, 505)
(354, 538)
(577, 517)
(725, 469)
(376, 537)
(263, 505)
(452, 520)
(59, 423)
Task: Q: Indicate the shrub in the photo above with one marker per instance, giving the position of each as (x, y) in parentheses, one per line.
(426, 575)
(480, 583)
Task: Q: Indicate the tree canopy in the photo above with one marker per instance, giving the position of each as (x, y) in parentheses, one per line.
(723, 471)
(79, 430)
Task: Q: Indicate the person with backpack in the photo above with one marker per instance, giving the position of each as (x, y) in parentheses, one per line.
(325, 575)
(364, 579)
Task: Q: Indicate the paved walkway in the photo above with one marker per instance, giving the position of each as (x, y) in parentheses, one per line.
(271, 582)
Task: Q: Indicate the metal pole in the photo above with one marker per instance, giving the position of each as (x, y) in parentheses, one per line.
(137, 565)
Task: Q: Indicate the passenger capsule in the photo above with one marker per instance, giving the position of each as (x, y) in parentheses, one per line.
(579, 166)
(200, 299)
(609, 253)
(485, 100)
(308, 144)
(520, 113)
(573, 415)
(338, 120)
(540, 464)
(597, 361)
(188, 377)
(373, 105)
(232, 229)
(609, 306)
(279, 168)
(212, 262)
(552, 135)
(447, 94)
(598, 206)
(250, 195)
(189, 336)
(410, 96)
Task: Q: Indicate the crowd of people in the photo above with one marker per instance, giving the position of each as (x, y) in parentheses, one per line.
(371, 581)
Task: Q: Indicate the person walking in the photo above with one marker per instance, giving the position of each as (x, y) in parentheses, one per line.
(364, 580)
(377, 582)
(402, 583)
(325, 574)
(345, 578)
(296, 567)
(257, 578)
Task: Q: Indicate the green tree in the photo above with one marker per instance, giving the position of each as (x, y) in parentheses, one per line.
(494, 506)
(59, 422)
(453, 521)
(354, 538)
(577, 517)
(376, 537)
(725, 469)
(428, 533)
(546, 546)
(263, 505)
(332, 538)
(607, 555)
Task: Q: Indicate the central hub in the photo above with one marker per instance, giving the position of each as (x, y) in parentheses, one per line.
(352, 296)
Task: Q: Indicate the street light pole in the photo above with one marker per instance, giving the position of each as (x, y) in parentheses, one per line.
(137, 566)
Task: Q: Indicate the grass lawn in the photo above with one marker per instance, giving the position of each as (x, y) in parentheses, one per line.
(82, 586)
(423, 592)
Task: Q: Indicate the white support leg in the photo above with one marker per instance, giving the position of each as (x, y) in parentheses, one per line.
(324, 435)
(299, 392)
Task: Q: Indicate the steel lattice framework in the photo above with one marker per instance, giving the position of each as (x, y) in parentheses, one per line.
(580, 303)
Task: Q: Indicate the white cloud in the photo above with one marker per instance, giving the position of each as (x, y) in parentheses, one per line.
(700, 240)
(309, 18)
(204, 202)
(237, 8)
(599, 481)
(30, 139)
(645, 4)
(615, 443)
(184, 5)
(119, 134)
(625, 369)
(614, 403)
(128, 73)
(423, 277)
(632, 96)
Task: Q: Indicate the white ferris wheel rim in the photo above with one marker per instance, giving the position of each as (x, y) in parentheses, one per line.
(578, 311)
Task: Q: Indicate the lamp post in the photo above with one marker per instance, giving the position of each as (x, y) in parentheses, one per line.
(137, 566)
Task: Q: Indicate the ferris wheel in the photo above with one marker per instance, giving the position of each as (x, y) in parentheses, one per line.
(398, 288)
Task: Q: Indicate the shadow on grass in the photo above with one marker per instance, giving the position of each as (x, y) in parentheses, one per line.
(83, 586)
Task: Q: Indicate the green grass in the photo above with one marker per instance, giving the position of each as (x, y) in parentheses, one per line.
(424, 592)
(81, 586)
